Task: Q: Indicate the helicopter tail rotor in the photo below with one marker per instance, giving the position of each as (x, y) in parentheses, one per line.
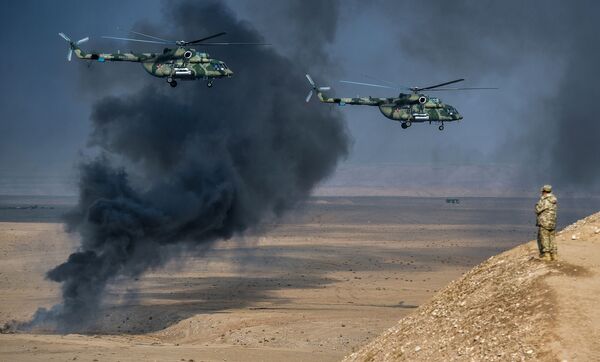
(72, 45)
(315, 88)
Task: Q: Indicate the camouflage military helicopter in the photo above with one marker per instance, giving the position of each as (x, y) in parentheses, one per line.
(405, 108)
(181, 62)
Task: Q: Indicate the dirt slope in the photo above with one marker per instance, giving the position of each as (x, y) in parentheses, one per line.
(510, 307)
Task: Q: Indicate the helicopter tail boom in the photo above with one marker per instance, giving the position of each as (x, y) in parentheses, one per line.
(102, 57)
(363, 101)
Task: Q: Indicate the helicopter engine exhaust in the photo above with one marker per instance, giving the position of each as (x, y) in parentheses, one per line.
(422, 99)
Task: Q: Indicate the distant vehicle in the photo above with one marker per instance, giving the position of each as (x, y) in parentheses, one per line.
(181, 62)
(405, 108)
(452, 201)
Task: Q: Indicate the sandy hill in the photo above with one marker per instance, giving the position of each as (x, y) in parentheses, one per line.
(511, 307)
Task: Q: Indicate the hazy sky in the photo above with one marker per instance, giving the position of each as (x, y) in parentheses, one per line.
(543, 56)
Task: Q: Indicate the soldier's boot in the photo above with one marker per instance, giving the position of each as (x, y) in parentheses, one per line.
(546, 257)
(553, 256)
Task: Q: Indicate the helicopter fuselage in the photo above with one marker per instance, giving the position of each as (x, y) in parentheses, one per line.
(186, 63)
(423, 110)
(413, 107)
(179, 63)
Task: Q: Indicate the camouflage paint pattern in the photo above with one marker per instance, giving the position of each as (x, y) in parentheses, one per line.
(178, 63)
(545, 210)
(405, 108)
(545, 241)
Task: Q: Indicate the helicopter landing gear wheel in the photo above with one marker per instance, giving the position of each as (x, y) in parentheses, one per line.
(172, 82)
(408, 124)
(441, 128)
(209, 84)
(404, 126)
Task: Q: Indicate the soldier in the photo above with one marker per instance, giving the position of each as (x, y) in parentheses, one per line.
(545, 210)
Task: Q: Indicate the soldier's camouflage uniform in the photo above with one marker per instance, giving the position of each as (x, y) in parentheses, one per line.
(546, 222)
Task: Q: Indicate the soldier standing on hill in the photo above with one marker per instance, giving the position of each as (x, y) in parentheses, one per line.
(545, 210)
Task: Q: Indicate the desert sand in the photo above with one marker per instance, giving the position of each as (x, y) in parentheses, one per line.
(512, 307)
(324, 281)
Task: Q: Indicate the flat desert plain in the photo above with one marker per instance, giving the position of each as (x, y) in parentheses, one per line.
(323, 281)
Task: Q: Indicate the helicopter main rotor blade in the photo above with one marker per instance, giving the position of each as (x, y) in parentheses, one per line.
(234, 44)
(151, 37)
(467, 88)
(367, 84)
(382, 81)
(138, 40)
(206, 38)
(440, 85)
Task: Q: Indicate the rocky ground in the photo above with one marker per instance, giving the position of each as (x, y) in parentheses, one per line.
(511, 307)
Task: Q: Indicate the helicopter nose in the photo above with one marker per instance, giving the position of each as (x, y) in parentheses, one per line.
(458, 116)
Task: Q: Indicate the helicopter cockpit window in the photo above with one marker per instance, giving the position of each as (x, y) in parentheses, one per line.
(219, 66)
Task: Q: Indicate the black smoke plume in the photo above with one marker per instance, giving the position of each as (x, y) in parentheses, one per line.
(189, 166)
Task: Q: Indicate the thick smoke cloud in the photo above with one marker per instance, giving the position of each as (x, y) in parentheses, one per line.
(184, 167)
(302, 27)
(555, 126)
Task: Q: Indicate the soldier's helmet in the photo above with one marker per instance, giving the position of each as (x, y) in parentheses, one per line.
(546, 188)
